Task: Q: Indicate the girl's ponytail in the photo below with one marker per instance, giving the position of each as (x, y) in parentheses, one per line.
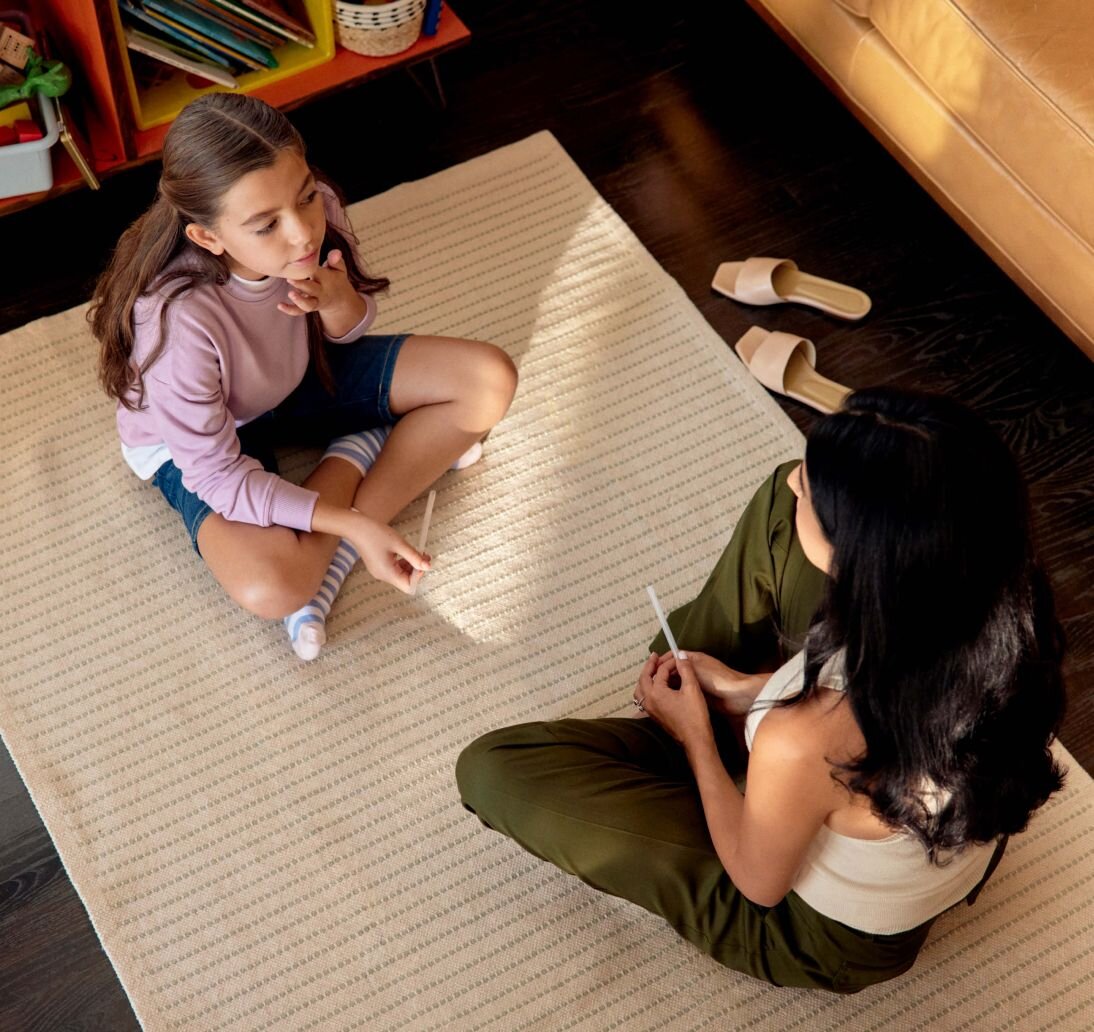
(143, 251)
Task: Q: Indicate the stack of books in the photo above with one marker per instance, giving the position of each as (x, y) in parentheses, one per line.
(215, 40)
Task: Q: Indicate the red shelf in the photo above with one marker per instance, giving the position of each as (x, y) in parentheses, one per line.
(345, 69)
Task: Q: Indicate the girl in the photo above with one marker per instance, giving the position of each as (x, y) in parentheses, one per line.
(888, 760)
(232, 318)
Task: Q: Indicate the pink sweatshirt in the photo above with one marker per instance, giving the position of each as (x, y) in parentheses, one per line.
(230, 356)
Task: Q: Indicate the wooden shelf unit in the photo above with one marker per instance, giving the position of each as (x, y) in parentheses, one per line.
(82, 34)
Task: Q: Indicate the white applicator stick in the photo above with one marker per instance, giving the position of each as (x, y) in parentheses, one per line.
(664, 623)
(417, 575)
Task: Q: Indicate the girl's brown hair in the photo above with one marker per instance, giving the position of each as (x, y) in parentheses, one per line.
(215, 140)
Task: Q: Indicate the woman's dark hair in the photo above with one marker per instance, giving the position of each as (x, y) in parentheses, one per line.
(946, 621)
(214, 142)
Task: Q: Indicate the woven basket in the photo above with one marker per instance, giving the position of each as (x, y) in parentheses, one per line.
(379, 29)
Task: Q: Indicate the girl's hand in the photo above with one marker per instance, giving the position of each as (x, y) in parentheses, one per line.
(728, 691)
(328, 291)
(384, 552)
(683, 711)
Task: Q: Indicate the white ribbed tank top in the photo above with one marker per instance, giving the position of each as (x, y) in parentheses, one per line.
(884, 885)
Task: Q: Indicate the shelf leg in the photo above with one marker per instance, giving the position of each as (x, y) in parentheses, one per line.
(435, 96)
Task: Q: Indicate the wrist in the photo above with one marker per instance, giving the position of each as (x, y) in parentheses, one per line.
(333, 519)
(343, 314)
(700, 746)
(739, 685)
(701, 750)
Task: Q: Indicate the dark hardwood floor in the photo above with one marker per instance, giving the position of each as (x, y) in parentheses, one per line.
(712, 142)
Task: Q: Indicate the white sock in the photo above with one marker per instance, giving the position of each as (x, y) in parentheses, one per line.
(469, 457)
(307, 626)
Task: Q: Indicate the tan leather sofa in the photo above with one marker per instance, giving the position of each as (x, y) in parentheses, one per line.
(990, 105)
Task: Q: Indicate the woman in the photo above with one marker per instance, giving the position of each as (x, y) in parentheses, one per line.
(888, 760)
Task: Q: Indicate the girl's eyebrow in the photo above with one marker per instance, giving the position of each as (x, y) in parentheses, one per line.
(273, 211)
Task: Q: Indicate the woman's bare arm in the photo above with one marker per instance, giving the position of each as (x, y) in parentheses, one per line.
(762, 836)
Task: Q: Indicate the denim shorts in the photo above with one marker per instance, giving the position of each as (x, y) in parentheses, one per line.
(362, 373)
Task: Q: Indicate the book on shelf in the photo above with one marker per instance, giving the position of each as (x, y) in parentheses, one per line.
(238, 35)
(185, 51)
(232, 21)
(211, 33)
(237, 61)
(275, 16)
(175, 39)
(142, 44)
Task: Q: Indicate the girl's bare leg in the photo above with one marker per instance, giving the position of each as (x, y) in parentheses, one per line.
(273, 571)
(448, 393)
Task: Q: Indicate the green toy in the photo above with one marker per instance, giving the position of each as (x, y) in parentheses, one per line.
(50, 78)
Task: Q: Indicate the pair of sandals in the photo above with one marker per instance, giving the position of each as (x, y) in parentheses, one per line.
(781, 361)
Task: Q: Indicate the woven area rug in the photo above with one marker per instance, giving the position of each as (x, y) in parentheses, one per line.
(268, 845)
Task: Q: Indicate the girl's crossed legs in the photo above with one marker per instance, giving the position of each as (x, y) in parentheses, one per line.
(442, 393)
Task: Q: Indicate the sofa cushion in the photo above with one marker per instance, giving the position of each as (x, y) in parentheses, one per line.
(859, 7)
(1017, 76)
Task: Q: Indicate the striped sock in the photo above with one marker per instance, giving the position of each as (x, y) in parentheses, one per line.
(307, 626)
(359, 449)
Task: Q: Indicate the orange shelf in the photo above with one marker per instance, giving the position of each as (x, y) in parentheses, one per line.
(345, 69)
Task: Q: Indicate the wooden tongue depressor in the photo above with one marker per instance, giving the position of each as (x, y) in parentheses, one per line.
(416, 576)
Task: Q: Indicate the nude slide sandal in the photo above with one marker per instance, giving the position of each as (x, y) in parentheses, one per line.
(774, 281)
(785, 364)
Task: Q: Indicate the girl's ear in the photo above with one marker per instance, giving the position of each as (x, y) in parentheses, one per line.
(203, 237)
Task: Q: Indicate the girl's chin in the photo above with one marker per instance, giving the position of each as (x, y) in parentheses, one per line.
(294, 270)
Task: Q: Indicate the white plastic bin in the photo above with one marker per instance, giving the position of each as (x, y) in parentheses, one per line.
(26, 167)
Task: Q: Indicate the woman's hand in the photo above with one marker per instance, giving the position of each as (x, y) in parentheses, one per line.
(728, 691)
(328, 291)
(383, 551)
(680, 711)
